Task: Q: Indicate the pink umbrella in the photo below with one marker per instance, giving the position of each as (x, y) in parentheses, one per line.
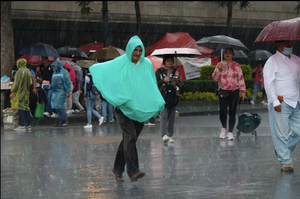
(280, 30)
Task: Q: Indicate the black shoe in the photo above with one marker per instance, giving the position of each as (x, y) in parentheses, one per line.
(287, 168)
(136, 176)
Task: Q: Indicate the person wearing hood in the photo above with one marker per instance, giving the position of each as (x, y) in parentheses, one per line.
(128, 82)
(60, 89)
(20, 92)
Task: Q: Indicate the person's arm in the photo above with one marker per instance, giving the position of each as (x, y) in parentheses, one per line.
(178, 79)
(241, 81)
(34, 84)
(254, 69)
(216, 75)
(158, 74)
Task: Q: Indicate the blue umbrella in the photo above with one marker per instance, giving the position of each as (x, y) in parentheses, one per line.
(39, 49)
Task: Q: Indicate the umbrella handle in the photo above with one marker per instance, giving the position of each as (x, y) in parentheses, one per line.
(221, 54)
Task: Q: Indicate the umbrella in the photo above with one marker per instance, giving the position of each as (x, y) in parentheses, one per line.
(156, 62)
(34, 59)
(259, 54)
(178, 52)
(91, 47)
(39, 49)
(85, 63)
(238, 54)
(71, 52)
(280, 30)
(107, 53)
(220, 42)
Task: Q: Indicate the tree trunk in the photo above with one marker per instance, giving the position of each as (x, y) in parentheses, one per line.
(105, 24)
(138, 18)
(229, 17)
(7, 44)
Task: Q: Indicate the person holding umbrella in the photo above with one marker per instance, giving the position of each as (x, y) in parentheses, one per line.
(281, 77)
(258, 83)
(229, 76)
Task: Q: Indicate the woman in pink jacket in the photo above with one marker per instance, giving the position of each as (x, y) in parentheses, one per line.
(229, 76)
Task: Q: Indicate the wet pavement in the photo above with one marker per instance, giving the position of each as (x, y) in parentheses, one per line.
(73, 162)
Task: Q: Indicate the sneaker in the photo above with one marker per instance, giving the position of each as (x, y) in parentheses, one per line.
(265, 103)
(223, 133)
(252, 102)
(286, 168)
(88, 126)
(176, 114)
(28, 127)
(53, 115)
(20, 128)
(101, 120)
(149, 123)
(31, 115)
(76, 111)
(171, 140)
(82, 111)
(165, 138)
(69, 112)
(111, 120)
(64, 124)
(46, 114)
(230, 136)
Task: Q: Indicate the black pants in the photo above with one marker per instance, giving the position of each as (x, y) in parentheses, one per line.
(127, 152)
(224, 102)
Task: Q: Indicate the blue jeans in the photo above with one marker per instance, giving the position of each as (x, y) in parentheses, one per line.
(280, 122)
(90, 105)
(107, 107)
(167, 119)
(257, 86)
(62, 115)
(24, 118)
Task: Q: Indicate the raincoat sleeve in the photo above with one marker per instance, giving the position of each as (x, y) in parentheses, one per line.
(67, 82)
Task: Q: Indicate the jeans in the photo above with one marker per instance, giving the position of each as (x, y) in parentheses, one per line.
(127, 152)
(107, 107)
(61, 115)
(257, 86)
(167, 119)
(48, 104)
(75, 99)
(24, 118)
(280, 123)
(90, 107)
(224, 102)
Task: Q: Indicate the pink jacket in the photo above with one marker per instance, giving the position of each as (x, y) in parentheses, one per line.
(230, 77)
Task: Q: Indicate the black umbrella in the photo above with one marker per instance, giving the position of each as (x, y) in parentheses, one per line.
(259, 54)
(39, 49)
(238, 54)
(71, 52)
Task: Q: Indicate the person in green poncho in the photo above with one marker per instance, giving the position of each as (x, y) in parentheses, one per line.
(128, 82)
(20, 92)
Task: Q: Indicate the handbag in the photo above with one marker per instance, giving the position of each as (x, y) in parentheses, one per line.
(224, 93)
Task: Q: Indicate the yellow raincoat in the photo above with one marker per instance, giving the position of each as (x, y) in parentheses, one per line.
(21, 87)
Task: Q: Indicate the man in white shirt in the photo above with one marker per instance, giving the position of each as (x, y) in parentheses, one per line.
(281, 75)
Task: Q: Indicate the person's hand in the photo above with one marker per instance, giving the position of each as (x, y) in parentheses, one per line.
(278, 108)
(167, 79)
(85, 99)
(11, 95)
(34, 91)
(67, 95)
(243, 96)
(220, 66)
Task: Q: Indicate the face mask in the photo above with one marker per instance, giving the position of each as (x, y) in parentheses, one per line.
(287, 51)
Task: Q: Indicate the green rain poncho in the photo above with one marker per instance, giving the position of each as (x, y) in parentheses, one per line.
(130, 87)
(21, 87)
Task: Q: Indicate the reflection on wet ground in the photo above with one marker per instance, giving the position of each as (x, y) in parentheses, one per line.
(74, 162)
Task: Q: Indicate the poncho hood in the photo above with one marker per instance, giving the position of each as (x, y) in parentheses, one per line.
(57, 64)
(130, 87)
(71, 71)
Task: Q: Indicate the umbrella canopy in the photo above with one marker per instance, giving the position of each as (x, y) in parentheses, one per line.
(238, 54)
(34, 60)
(280, 30)
(40, 49)
(259, 54)
(107, 53)
(91, 47)
(156, 62)
(179, 52)
(71, 52)
(221, 42)
(86, 63)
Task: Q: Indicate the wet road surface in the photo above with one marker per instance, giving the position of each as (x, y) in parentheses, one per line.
(73, 162)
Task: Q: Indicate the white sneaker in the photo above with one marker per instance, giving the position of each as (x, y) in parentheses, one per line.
(171, 140)
(223, 133)
(69, 112)
(46, 114)
(149, 123)
(20, 128)
(230, 136)
(53, 115)
(88, 126)
(101, 120)
(253, 103)
(28, 127)
(166, 138)
(264, 102)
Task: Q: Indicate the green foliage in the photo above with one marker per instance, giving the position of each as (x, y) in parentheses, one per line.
(206, 72)
(243, 4)
(189, 96)
(199, 85)
(85, 10)
(246, 71)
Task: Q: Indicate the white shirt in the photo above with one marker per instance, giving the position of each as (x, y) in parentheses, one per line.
(281, 78)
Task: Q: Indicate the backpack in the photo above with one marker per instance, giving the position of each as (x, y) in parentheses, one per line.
(92, 86)
(169, 93)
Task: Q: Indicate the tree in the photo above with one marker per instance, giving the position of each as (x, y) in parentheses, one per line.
(7, 43)
(297, 8)
(230, 5)
(138, 18)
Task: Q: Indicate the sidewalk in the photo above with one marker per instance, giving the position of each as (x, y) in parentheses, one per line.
(185, 108)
